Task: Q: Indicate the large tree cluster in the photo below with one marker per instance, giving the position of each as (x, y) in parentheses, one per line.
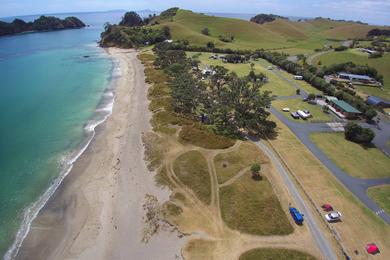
(227, 103)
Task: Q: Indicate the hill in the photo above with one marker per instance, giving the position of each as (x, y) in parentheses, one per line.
(292, 36)
(43, 23)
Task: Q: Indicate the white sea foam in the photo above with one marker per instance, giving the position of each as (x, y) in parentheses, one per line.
(32, 211)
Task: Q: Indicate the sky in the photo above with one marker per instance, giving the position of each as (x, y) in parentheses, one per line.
(371, 11)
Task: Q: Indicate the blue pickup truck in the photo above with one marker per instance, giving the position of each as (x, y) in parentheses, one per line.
(296, 215)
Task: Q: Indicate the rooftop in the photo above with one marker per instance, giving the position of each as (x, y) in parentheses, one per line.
(345, 106)
(373, 100)
(355, 76)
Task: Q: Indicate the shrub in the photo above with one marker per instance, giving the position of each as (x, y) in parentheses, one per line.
(206, 31)
(370, 113)
(341, 48)
(210, 45)
(358, 134)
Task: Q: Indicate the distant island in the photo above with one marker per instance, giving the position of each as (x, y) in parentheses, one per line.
(266, 18)
(43, 23)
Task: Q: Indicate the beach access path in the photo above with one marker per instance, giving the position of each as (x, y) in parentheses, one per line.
(98, 211)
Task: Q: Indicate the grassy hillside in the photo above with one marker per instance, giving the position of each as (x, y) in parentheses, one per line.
(381, 64)
(293, 37)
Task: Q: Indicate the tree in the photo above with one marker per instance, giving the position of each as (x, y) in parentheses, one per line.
(311, 96)
(255, 169)
(370, 113)
(210, 45)
(356, 133)
(298, 91)
(325, 109)
(131, 19)
(206, 31)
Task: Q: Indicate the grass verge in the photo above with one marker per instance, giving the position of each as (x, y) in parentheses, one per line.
(381, 195)
(294, 104)
(191, 168)
(252, 207)
(229, 164)
(271, 253)
(353, 158)
(200, 136)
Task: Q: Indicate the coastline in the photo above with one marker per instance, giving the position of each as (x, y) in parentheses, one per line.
(97, 211)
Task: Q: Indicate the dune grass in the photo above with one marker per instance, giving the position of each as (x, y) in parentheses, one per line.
(381, 195)
(252, 207)
(273, 253)
(351, 157)
(200, 136)
(229, 164)
(294, 104)
(191, 169)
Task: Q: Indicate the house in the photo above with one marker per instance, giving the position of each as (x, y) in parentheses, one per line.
(208, 72)
(378, 102)
(345, 109)
(329, 99)
(168, 41)
(355, 77)
(367, 51)
(298, 77)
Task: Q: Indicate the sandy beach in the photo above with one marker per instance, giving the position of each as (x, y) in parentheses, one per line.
(98, 211)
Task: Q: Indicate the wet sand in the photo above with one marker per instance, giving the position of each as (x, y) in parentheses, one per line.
(97, 212)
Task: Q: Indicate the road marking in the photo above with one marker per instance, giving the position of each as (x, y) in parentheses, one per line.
(336, 127)
(380, 212)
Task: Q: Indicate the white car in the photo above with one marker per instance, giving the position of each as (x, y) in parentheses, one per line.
(333, 216)
(286, 109)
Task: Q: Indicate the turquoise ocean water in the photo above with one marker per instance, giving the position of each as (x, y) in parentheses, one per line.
(54, 88)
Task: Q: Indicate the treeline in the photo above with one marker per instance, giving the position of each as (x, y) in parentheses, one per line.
(311, 76)
(132, 33)
(309, 73)
(351, 67)
(266, 18)
(227, 103)
(378, 32)
(132, 37)
(43, 23)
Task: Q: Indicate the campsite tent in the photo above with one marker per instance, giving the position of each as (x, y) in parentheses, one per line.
(372, 249)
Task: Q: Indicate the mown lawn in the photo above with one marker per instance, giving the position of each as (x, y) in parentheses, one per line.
(191, 169)
(351, 157)
(298, 104)
(272, 253)
(381, 195)
(229, 164)
(382, 65)
(252, 207)
(276, 85)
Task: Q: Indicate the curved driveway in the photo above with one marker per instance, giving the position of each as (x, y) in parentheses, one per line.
(356, 185)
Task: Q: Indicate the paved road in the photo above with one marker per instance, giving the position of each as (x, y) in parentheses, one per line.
(322, 243)
(356, 185)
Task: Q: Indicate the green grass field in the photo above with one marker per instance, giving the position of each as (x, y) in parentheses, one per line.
(252, 207)
(273, 253)
(293, 37)
(191, 169)
(351, 157)
(381, 195)
(381, 64)
(295, 104)
(276, 85)
(229, 164)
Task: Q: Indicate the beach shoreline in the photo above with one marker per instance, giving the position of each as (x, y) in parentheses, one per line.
(97, 212)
